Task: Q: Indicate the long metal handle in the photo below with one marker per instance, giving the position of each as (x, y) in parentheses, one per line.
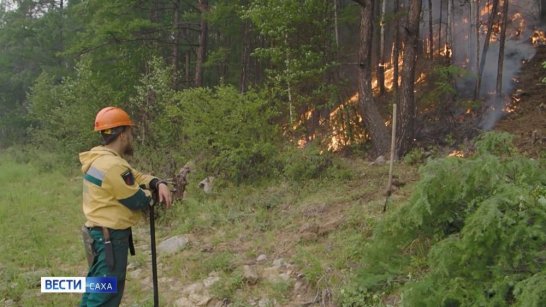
(152, 242)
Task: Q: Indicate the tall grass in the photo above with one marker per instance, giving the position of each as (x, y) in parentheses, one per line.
(40, 214)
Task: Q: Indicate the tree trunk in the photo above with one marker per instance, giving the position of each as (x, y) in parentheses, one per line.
(381, 55)
(490, 22)
(202, 50)
(187, 60)
(61, 61)
(430, 31)
(245, 56)
(440, 25)
(176, 43)
(372, 119)
(449, 29)
(501, 47)
(61, 6)
(478, 25)
(469, 50)
(406, 128)
(396, 51)
(336, 27)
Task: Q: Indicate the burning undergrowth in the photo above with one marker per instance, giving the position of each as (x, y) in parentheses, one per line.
(449, 100)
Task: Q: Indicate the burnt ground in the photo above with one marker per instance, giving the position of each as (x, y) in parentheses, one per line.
(528, 120)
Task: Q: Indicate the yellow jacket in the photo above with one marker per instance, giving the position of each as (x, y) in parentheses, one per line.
(112, 193)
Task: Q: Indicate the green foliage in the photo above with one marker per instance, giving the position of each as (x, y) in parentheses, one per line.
(62, 114)
(496, 143)
(473, 232)
(444, 82)
(226, 132)
(153, 95)
(221, 262)
(227, 285)
(355, 296)
(301, 48)
(118, 38)
(532, 291)
(309, 163)
(311, 266)
(29, 46)
(415, 156)
(281, 290)
(28, 251)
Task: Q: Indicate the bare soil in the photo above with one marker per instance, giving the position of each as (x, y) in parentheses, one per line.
(528, 120)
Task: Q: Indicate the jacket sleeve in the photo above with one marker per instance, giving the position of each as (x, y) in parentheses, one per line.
(122, 183)
(143, 179)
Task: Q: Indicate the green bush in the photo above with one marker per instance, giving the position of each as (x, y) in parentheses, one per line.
(309, 163)
(62, 114)
(415, 156)
(496, 143)
(472, 233)
(227, 133)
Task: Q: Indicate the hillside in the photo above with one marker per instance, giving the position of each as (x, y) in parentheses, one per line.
(528, 120)
(287, 244)
(297, 244)
(294, 244)
(279, 243)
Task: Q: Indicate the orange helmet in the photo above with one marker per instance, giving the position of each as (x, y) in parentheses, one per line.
(111, 117)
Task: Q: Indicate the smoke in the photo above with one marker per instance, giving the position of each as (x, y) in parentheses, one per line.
(524, 17)
(515, 53)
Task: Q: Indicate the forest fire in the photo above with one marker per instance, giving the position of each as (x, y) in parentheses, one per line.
(519, 24)
(516, 27)
(446, 51)
(511, 106)
(538, 38)
(486, 9)
(456, 153)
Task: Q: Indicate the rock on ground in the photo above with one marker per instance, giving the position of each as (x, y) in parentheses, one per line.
(173, 245)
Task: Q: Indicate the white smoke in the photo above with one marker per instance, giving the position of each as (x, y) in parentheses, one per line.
(518, 48)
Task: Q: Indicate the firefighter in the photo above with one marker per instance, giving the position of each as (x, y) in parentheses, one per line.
(113, 202)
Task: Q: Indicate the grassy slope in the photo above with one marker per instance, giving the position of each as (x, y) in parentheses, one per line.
(316, 226)
(40, 217)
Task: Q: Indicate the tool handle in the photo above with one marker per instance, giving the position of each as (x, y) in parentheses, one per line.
(152, 243)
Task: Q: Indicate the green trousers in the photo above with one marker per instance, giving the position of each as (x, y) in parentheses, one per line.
(120, 244)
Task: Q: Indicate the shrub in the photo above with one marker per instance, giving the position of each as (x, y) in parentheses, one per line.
(309, 163)
(415, 156)
(226, 132)
(62, 114)
(496, 143)
(473, 232)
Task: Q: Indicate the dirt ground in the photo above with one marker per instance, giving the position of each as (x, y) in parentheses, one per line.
(528, 120)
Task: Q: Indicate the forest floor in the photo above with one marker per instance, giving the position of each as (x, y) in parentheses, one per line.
(279, 245)
(528, 121)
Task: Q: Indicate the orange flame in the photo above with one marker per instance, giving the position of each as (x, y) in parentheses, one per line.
(446, 51)
(538, 38)
(456, 153)
(486, 9)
